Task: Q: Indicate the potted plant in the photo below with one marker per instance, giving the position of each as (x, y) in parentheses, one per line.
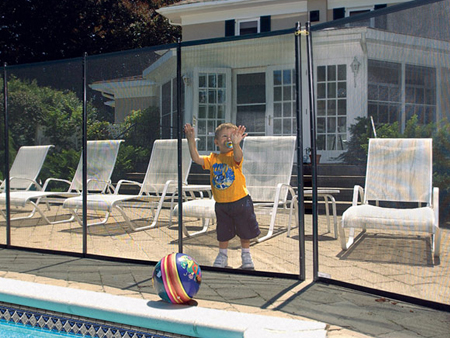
(308, 152)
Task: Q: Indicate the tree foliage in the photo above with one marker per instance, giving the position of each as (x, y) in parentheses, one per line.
(43, 30)
(57, 115)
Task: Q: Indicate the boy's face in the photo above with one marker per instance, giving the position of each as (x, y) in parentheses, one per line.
(223, 140)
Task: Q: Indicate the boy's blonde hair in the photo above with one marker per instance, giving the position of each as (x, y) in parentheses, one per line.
(222, 127)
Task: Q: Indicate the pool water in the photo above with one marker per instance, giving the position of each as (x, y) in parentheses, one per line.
(27, 322)
(12, 330)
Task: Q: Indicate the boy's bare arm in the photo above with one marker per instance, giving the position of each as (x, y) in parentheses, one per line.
(190, 135)
(236, 137)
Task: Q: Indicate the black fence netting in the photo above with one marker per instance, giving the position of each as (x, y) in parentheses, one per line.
(382, 75)
(376, 75)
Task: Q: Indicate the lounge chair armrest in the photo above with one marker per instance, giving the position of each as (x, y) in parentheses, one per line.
(129, 182)
(436, 204)
(108, 184)
(48, 180)
(357, 191)
(36, 184)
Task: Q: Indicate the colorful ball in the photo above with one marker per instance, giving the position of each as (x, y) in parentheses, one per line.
(177, 278)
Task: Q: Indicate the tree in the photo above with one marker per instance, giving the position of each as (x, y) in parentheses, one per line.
(43, 30)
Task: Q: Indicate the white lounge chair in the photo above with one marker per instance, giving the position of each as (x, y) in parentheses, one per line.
(159, 186)
(398, 170)
(26, 167)
(267, 166)
(327, 195)
(101, 158)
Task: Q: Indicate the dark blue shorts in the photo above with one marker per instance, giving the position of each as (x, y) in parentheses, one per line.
(236, 218)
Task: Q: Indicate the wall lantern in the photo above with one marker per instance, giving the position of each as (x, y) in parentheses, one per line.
(355, 68)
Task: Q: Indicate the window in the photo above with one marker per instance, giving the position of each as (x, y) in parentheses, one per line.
(420, 93)
(212, 106)
(377, 22)
(331, 107)
(245, 27)
(248, 26)
(251, 102)
(385, 101)
(284, 120)
(384, 97)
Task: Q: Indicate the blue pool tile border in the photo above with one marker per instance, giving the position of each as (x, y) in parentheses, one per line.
(74, 325)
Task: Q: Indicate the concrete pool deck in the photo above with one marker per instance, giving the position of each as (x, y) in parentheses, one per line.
(346, 312)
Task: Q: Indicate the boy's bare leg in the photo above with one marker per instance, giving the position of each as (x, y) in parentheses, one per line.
(245, 243)
(223, 245)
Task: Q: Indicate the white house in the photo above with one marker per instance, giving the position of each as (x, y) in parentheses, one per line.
(382, 67)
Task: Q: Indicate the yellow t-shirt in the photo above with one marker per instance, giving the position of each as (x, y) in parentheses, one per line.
(226, 177)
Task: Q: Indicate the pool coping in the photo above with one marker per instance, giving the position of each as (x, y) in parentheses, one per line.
(188, 320)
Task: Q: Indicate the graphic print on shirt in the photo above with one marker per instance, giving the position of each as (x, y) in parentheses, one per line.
(223, 176)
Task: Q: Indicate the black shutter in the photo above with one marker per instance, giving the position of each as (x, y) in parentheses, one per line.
(338, 13)
(229, 28)
(379, 6)
(265, 23)
(380, 21)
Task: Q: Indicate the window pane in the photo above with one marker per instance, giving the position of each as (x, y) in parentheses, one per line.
(212, 81)
(331, 107)
(287, 126)
(277, 94)
(202, 112)
(331, 125)
(277, 127)
(331, 90)
(331, 142)
(342, 107)
(321, 74)
(342, 89)
(287, 93)
(221, 81)
(321, 93)
(212, 96)
(287, 109)
(202, 81)
(321, 125)
(287, 79)
(251, 88)
(331, 73)
(277, 109)
(221, 96)
(212, 112)
(221, 112)
(342, 72)
(277, 77)
(342, 124)
(321, 107)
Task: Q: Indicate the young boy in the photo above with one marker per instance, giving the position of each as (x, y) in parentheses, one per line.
(234, 206)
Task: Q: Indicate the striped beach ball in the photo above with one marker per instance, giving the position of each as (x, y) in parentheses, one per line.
(177, 278)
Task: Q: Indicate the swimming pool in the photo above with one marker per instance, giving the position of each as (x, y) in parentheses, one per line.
(9, 330)
(25, 322)
(104, 315)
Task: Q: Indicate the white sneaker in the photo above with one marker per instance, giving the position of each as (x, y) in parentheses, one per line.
(221, 261)
(247, 262)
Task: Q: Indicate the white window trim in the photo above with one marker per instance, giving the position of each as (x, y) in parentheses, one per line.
(239, 21)
(349, 10)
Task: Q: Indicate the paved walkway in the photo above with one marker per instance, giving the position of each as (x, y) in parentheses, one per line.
(349, 313)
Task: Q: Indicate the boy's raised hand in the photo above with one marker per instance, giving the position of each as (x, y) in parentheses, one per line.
(238, 135)
(189, 131)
